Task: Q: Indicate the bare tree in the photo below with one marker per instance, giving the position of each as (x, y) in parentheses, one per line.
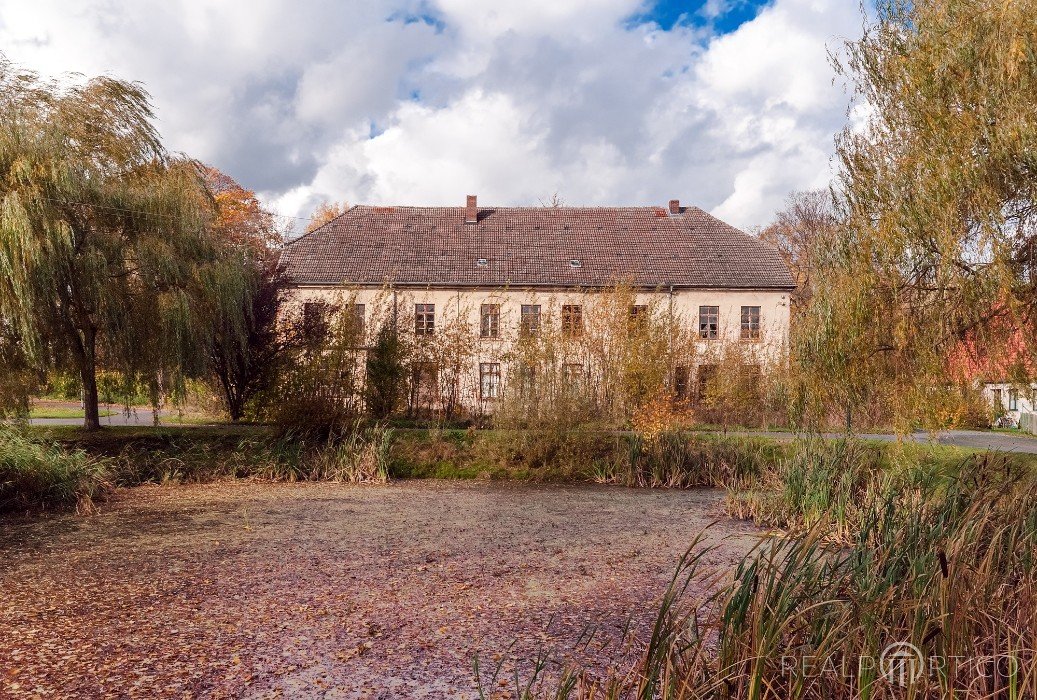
(808, 219)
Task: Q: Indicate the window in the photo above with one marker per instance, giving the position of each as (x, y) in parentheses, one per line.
(572, 373)
(638, 317)
(530, 321)
(680, 383)
(356, 319)
(999, 402)
(489, 380)
(704, 380)
(527, 380)
(489, 321)
(750, 380)
(425, 385)
(709, 322)
(572, 319)
(424, 319)
(1013, 400)
(750, 323)
(314, 321)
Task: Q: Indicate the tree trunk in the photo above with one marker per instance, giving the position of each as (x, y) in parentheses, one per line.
(88, 375)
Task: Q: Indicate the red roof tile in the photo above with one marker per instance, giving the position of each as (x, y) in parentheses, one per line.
(533, 246)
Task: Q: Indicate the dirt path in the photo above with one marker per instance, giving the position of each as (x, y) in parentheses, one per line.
(331, 591)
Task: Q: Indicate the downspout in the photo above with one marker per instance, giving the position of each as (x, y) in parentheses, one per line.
(669, 335)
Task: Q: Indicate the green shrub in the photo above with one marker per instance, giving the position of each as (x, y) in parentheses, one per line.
(38, 474)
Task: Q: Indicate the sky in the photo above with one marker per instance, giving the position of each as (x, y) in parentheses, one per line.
(729, 105)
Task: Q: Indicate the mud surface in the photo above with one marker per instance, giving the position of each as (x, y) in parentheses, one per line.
(334, 591)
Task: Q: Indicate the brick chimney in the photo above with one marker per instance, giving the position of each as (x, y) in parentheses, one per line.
(675, 206)
(471, 211)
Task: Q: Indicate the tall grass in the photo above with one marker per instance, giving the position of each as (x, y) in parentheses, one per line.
(358, 455)
(880, 551)
(38, 474)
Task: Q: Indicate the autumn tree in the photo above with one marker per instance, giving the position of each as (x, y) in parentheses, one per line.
(249, 344)
(241, 218)
(106, 249)
(940, 199)
(325, 212)
(807, 221)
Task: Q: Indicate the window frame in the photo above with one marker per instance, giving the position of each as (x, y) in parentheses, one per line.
(489, 381)
(704, 374)
(751, 329)
(681, 383)
(424, 319)
(527, 379)
(489, 320)
(709, 312)
(572, 320)
(527, 313)
(573, 374)
(358, 316)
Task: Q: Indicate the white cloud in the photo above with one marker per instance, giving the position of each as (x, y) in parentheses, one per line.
(424, 101)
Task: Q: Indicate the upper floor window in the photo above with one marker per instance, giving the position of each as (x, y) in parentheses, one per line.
(424, 319)
(489, 321)
(315, 320)
(572, 319)
(750, 323)
(709, 322)
(638, 317)
(530, 320)
(357, 315)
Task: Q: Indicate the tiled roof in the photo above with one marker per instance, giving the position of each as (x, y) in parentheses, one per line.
(533, 246)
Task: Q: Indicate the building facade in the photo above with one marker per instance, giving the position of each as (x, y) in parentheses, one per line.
(495, 273)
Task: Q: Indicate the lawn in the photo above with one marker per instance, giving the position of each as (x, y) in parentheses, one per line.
(281, 590)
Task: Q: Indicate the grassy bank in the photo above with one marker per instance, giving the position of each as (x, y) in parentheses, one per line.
(772, 481)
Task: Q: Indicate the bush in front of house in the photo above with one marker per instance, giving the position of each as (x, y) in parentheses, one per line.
(37, 474)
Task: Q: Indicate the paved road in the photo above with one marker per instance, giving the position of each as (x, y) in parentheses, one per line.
(138, 416)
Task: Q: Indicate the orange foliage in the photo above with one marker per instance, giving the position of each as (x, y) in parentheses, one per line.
(240, 218)
(325, 212)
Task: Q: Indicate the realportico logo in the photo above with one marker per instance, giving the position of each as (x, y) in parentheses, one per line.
(902, 663)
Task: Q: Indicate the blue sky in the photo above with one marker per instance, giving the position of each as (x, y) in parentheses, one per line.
(722, 15)
(726, 104)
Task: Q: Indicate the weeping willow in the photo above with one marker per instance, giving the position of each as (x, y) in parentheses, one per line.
(935, 257)
(107, 253)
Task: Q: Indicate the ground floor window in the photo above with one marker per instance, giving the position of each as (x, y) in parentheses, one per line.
(680, 383)
(489, 380)
(1013, 400)
(424, 385)
(527, 375)
(572, 374)
(703, 380)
